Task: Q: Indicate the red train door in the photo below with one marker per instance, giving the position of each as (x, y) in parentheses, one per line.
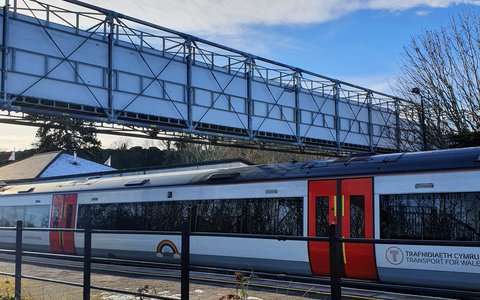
(321, 213)
(357, 222)
(63, 216)
(354, 216)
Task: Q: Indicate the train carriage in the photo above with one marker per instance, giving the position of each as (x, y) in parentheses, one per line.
(431, 195)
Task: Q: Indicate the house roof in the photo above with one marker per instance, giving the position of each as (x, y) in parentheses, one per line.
(28, 168)
(50, 164)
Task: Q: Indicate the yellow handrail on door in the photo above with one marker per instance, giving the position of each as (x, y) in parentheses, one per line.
(343, 206)
(335, 206)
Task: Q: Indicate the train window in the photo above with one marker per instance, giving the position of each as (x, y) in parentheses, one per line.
(280, 216)
(68, 221)
(357, 216)
(321, 206)
(168, 215)
(9, 216)
(283, 216)
(290, 216)
(32, 216)
(431, 216)
(37, 216)
(3, 218)
(56, 216)
(19, 213)
(259, 217)
(93, 215)
(127, 216)
(218, 216)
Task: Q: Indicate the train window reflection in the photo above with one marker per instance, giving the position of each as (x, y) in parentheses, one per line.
(357, 216)
(68, 222)
(36, 216)
(279, 216)
(431, 216)
(19, 213)
(2, 217)
(56, 216)
(32, 216)
(321, 206)
(9, 216)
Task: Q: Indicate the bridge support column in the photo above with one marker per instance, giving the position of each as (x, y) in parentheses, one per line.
(189, 89)
(111, 24)
(249, 74)
(398, 125)
(298, 86)
(336, 97)
(370, 121)
(6, 16)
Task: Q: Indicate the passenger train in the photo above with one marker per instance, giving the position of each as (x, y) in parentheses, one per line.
(432, 195)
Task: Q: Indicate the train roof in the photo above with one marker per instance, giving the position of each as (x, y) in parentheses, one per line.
(409, 162)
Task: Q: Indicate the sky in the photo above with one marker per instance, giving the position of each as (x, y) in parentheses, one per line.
(356, 41)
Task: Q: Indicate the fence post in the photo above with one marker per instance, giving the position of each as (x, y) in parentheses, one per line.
(185, 256)
(335, 269)
(87, 257)
(18, 261)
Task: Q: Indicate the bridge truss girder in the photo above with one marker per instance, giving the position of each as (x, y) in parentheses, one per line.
(97, 66)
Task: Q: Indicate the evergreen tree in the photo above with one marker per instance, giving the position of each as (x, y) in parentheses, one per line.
(68, 135)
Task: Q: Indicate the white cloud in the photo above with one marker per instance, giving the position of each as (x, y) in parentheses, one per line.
(403, 5)
(243, 24)
(236, 22)
(422, 13)
(227, 17)
(376, 82)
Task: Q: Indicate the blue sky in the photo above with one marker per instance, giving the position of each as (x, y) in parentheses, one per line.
(357, 41)
(364, 47)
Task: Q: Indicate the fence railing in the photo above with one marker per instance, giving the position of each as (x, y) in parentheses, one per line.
(334, 240)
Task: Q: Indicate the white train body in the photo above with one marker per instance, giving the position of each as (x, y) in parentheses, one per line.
(397, 196)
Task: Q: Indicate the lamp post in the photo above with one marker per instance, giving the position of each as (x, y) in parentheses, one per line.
(417, 91)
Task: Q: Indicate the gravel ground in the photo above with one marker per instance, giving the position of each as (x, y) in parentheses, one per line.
(37, 290)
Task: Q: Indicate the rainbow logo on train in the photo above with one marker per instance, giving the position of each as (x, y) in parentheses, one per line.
(167, 249)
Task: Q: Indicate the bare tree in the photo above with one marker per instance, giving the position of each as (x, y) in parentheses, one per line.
(121, 144)
(444, 66)
(189, 152)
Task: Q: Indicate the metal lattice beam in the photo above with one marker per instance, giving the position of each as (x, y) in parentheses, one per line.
(155, 79)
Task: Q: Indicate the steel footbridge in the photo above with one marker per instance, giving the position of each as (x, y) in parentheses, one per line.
(127, 76)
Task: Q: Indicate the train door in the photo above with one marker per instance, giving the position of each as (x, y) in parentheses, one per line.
(348, 203)
(63, 216)
(321, 213)
(357, 222)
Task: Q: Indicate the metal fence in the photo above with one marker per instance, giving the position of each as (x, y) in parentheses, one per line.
(335, 249)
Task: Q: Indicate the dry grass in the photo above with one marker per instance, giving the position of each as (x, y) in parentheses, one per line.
(7, 290)
(38, 290)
